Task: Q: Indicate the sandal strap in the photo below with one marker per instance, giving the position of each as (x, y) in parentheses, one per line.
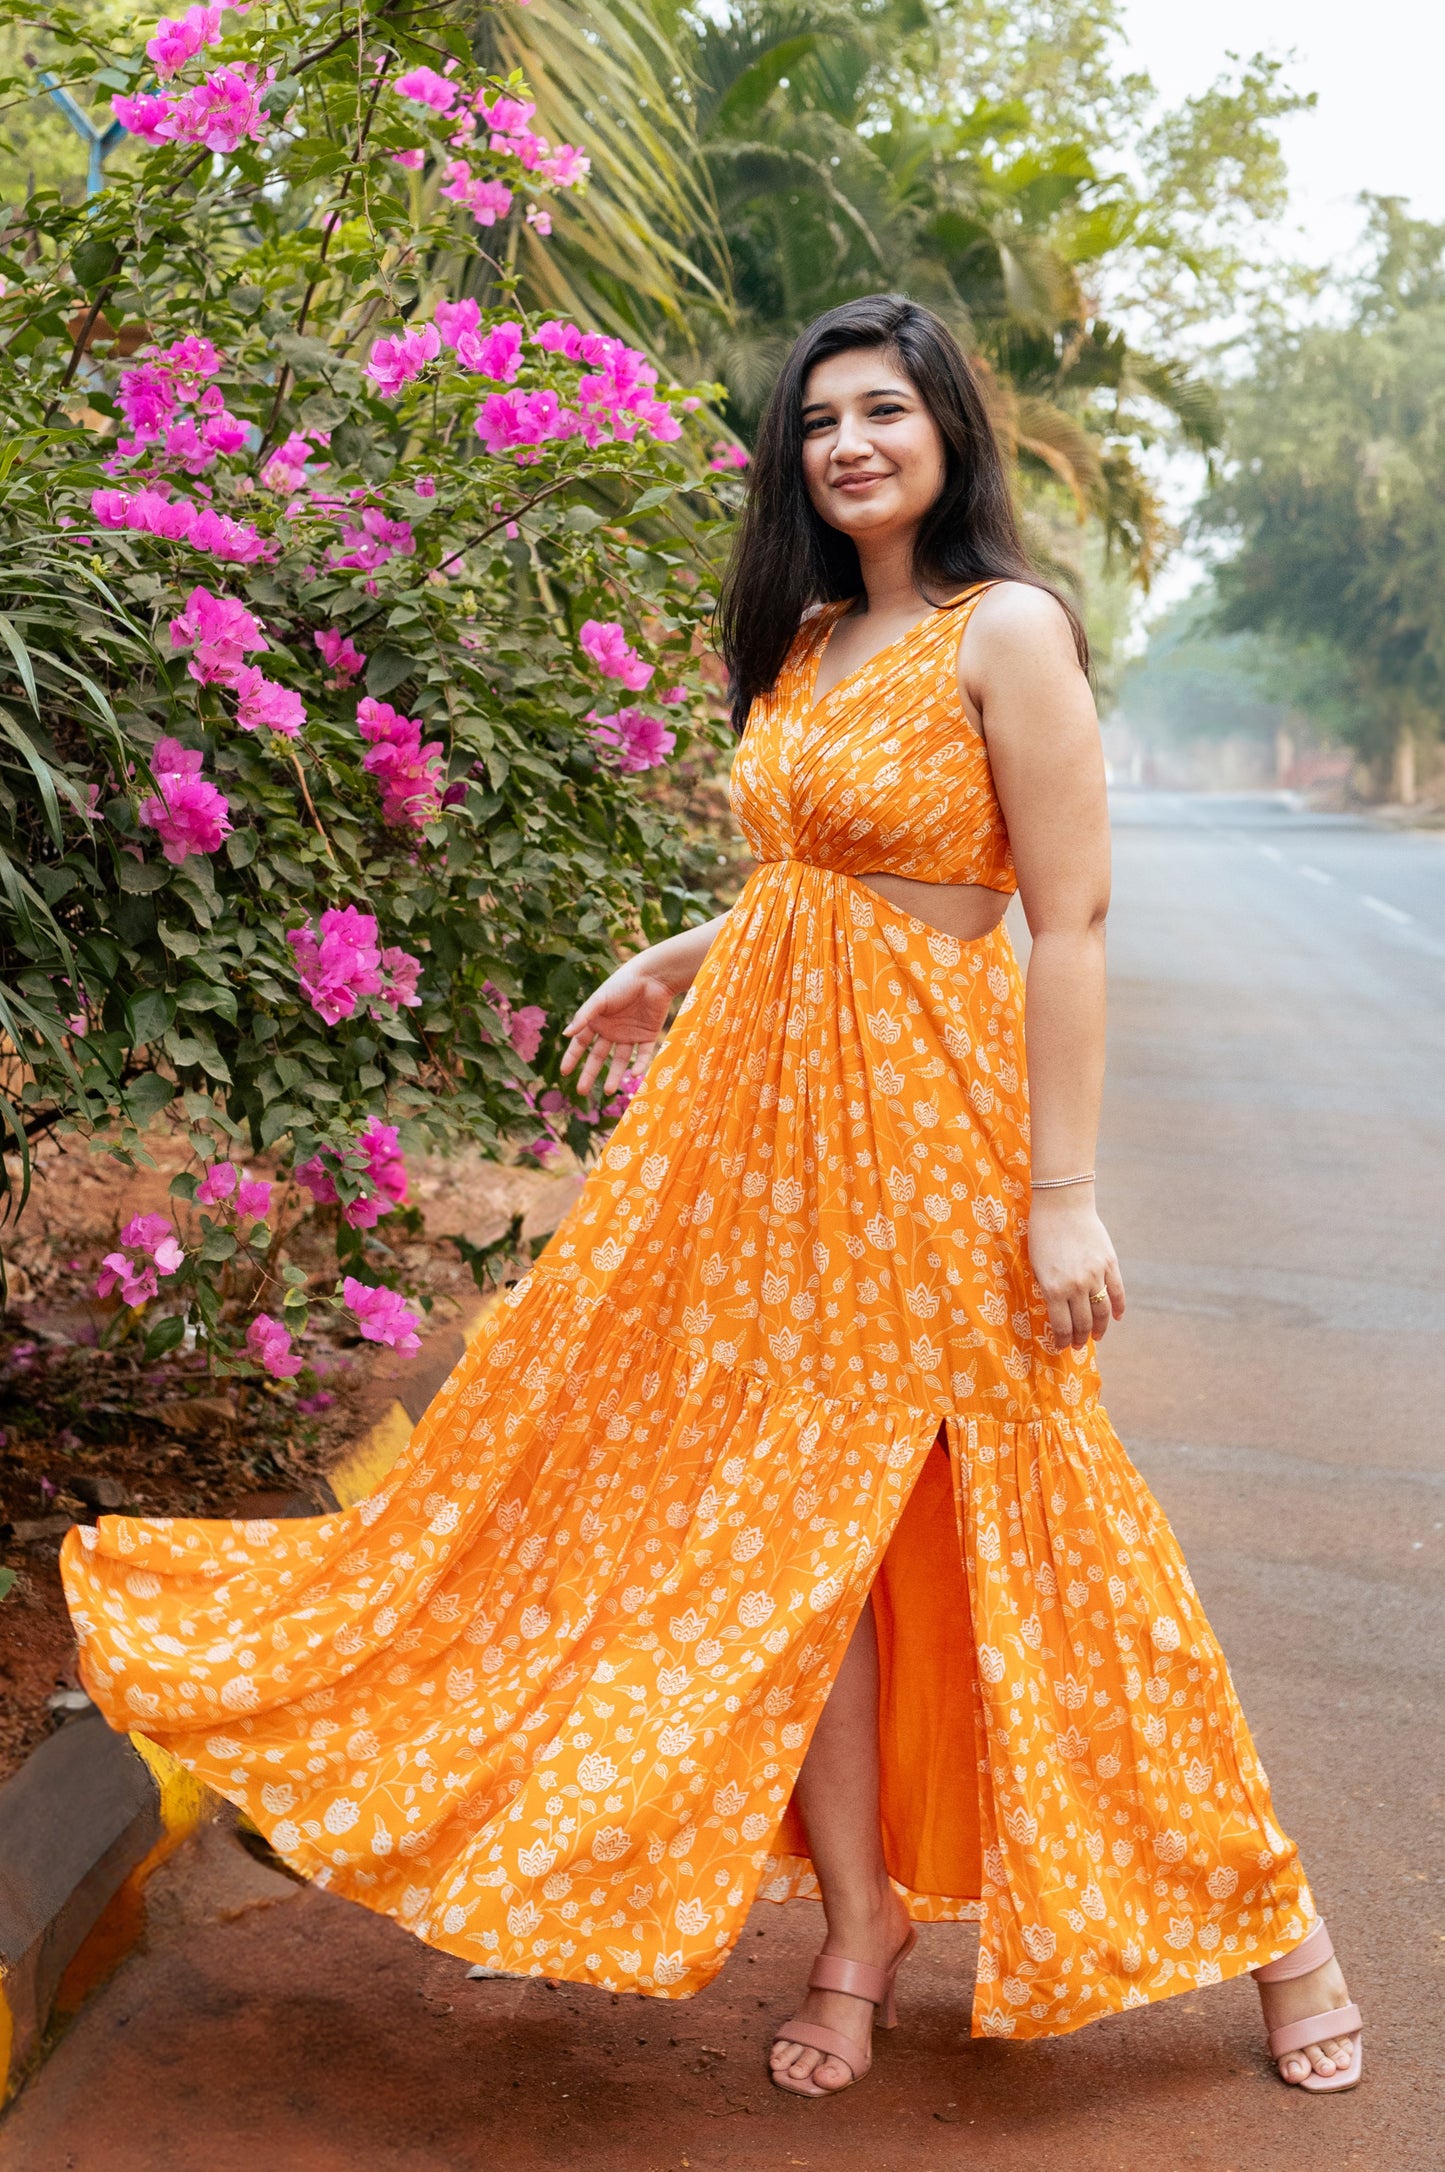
(860, 1979)
(1311, 1952)
(833, 2041)
(1299, 2035)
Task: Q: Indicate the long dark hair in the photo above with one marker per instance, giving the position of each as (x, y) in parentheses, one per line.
(786, 556)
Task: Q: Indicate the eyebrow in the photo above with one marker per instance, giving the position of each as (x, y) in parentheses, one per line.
(879, 392)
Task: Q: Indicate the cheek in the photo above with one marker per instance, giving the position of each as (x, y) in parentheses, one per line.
(815, 471)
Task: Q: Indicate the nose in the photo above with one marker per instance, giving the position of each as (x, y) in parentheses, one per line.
(853, 442)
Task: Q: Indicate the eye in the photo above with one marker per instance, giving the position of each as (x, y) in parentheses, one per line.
(814, 423)
(885, 408)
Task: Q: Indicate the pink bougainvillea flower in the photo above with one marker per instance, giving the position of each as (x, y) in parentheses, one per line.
(425, 486)
(269, 1343)
(452, 319)
(632, 740)
(216, 1185)
(413, 160)
(726, 456)
(385, 1163)
(149, 1249)
(424, 87)
(487, 201)
(606, 643)
(523, 1026)
(383, 1315)
(497, 354)
(395, 361)
(286, 468)
(264, 706)
(403, 971)
(672, 695)
(376, 1159)
(519, 422)
(408, 773)
(223, 111)
(567, 166)
(146, 115)
(221, 631)
(339, 966)
(504, 114)
(187, 814)
(234, 540)
(340, 654)
(178, 41)
(539, 221)
(253, 1200)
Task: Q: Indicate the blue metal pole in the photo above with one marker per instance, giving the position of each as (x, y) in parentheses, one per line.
(97, 140)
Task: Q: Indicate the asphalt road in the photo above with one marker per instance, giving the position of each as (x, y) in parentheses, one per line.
(1274, 1174)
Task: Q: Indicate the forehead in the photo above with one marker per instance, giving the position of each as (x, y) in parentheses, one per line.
(853, 375)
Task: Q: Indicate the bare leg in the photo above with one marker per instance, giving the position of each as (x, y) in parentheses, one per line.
(837, 1797)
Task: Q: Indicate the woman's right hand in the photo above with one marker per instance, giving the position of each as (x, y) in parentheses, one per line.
(621, 1020)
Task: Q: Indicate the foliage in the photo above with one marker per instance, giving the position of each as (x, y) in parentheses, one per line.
(1333, 503)
(972, 154)
(254, 446)
(1195, 682)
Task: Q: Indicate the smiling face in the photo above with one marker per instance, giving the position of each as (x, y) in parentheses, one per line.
(873, 456)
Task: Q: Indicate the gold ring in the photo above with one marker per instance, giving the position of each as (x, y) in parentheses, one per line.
(1100, 1297)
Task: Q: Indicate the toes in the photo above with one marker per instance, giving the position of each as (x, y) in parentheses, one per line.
(1294, 2066)
(832, 2074)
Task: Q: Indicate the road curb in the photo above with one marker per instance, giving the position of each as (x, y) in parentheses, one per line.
(91, 1813)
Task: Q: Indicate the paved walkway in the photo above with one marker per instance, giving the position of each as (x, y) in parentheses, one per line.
(1275, 1178)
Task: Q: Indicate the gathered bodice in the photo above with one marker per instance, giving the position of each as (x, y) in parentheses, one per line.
(885, 774)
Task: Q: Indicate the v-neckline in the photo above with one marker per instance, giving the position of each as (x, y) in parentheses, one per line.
(817, 700)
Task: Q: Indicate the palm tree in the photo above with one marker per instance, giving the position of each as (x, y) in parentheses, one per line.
(835, 175)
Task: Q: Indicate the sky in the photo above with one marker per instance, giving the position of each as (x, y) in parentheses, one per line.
(1377, 70)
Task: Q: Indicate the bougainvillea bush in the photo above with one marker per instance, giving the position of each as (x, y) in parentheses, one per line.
(346, 606)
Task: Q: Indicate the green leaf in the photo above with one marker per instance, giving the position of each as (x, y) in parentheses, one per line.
(7, 1582)
(651, 499)
(146, 1096)
(387, 668)
(167, 1334)
(149, 1013)
(140, 877)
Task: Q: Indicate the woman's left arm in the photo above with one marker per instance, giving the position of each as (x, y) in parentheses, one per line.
(1019, 669)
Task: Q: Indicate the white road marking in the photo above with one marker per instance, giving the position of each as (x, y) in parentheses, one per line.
(1387, 912)
(1315, 874)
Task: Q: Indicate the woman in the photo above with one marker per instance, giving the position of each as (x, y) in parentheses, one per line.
(770, 1537)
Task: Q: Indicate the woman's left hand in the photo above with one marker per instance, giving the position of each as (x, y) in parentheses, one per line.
(1075, 1266)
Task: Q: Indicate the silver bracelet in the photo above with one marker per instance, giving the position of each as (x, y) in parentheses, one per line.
(1058, 1184)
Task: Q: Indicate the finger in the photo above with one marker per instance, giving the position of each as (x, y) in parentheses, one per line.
(580, 1038)
(1082, 1316)
(620, 1065)
(596, 1057)
(1061, 1320)
(1101, 1310)
(1114, 1282)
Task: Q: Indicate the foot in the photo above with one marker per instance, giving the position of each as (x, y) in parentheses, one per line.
(1321, 1992)
(873, 1936)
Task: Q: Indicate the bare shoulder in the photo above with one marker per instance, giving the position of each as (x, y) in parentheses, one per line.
(1018, 641)
(1016, 624)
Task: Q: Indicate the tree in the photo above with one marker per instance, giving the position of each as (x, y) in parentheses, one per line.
(341, 609)
(1332, 505)
(973, 155)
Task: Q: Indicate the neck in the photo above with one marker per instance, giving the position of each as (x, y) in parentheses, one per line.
(887, 568)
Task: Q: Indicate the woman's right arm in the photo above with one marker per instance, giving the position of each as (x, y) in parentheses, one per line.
(622, 1019)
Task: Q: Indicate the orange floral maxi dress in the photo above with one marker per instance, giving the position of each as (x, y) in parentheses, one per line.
(544, 1696)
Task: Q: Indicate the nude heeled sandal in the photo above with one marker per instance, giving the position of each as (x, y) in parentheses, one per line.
(861, 1980)
(1313, 1952)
